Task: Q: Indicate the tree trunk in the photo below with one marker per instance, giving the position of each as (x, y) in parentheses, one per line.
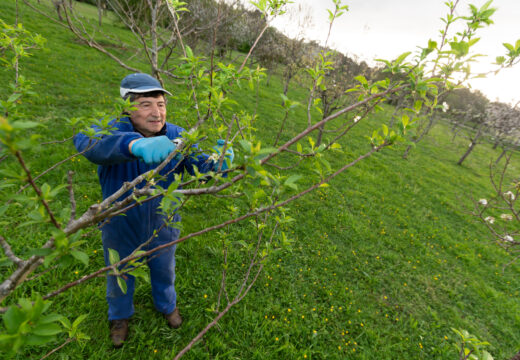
(100, 11)
(326, 112)
(155, 46)
(397, 108)
(470, 149)
(423, 134)
(270, 73)
(287, 76)
(471, 145)
(320, 135)
(504, 151)
(286, 86)
(57, 5)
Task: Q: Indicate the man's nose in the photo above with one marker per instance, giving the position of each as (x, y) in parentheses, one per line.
(155, 110)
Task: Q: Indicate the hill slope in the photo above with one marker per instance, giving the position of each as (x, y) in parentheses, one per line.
(384, 261)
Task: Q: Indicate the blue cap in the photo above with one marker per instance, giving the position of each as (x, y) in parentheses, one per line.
(140, 83)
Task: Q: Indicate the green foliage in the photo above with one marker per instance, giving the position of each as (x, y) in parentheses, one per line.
(470, 347)
(27, 324)
(18, 42)
(338, 11)
(73, 328)
(271, 7)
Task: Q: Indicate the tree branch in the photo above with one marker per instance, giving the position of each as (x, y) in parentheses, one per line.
(9, 252)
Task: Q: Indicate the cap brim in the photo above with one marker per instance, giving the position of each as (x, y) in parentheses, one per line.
(125, 91)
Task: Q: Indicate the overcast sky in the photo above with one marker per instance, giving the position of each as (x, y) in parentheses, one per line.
(386, 28)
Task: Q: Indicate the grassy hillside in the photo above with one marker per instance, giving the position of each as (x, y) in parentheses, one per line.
(384, 262)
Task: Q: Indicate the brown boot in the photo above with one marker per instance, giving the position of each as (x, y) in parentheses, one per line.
(118, 332)
(174, 319)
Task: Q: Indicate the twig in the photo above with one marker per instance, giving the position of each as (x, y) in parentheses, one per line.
(56, 349)
(213, 43)
(223, 282)
(218, 317)
(42, 273)
(173, 14)
(287, 167)
(240, 295)
(56, 165)
(71, 197)
(37, 190)
(58, 141)
(252, 48)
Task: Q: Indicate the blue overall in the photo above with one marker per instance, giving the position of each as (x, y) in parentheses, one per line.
(125, 233)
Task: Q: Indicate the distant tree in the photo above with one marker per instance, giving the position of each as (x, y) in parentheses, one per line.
(102, 8)
(335, 82)
(474, 135)
(270, 51)
(451, 61)
(59, 5)
(463, 105)
(156, 29)
(467, 112)
(500, 212)
(505, 126)
(294, 48)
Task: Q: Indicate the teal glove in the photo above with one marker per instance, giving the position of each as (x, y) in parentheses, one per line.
(153, 150)
(228, 157)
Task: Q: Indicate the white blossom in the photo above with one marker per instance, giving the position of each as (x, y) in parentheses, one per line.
(445, 106)
(357, 118)
(490, 219)
(509, 195)
(508, 238)
(483, 202)
(507, 217)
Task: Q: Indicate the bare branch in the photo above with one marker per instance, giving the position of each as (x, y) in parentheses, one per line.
(252, 48)
(52, 167)
(71, 197)
(93, 44)
(101, 271)
(37, 190)
(58, 141)
(9, 252)
(173, 14)
(223, 281)
(57, 349)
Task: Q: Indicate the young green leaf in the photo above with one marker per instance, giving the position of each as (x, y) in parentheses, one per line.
(113, 256)
(122, 284)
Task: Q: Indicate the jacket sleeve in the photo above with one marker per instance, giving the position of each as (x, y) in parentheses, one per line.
(106, 149)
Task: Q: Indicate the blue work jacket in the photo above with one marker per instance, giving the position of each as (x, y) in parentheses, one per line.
(116, 165)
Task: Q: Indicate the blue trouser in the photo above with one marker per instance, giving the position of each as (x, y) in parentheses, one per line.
(161, 264)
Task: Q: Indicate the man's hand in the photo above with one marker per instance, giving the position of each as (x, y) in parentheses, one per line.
(228, 157)
(152, 150)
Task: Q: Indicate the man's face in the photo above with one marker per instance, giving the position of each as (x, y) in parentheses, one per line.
(150, 116)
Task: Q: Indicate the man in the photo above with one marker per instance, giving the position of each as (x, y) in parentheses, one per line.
(139, 142)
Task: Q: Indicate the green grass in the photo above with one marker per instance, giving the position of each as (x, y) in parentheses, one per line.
(384, 261)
